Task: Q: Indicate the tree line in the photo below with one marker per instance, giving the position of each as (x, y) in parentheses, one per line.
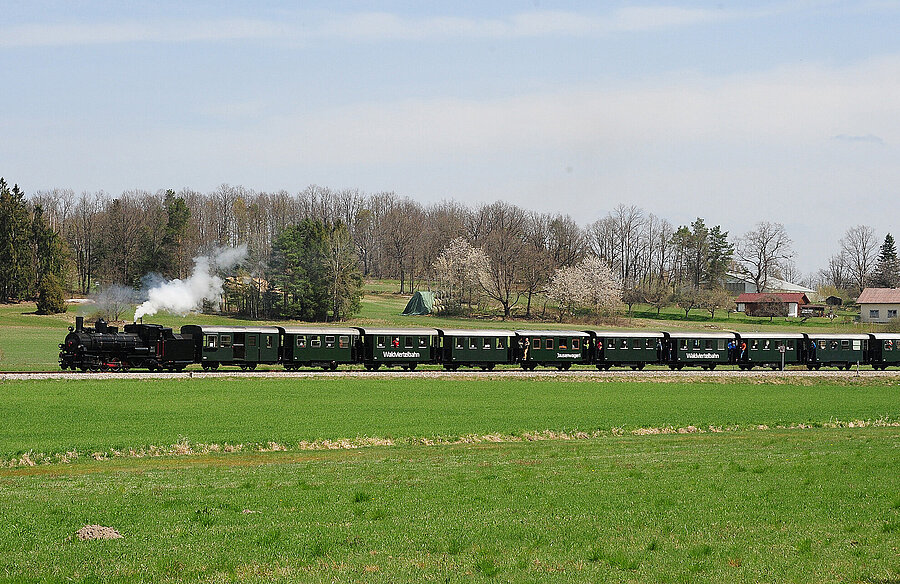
(346, 235)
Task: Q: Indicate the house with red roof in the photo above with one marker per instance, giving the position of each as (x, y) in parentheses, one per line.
(879, 304)
(771, 304)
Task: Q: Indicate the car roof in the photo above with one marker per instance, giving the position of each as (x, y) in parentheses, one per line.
(477, 333)
(310, 330)
(700, 335)
(233, 329)
(628, 334)
(546, 333)
(399, 331)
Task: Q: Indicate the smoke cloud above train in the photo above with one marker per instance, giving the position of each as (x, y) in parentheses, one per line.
(186, 296)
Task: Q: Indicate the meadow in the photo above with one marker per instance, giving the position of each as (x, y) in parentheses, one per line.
(453, 479)
(468, 480)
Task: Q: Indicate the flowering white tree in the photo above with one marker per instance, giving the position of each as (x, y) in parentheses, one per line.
(460, 267)
(589, 284)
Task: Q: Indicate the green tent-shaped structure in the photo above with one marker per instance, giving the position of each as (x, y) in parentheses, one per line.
(420, 303)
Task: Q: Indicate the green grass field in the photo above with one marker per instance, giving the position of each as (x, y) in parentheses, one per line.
(812, 504)
(454, 480)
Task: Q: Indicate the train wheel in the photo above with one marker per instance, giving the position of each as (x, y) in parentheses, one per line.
(672, 367)
(204, 365)
(712, 366)
(243, 366)
(214, 366)
(524, 366)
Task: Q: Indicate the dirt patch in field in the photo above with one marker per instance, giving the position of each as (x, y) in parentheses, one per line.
(90, 532)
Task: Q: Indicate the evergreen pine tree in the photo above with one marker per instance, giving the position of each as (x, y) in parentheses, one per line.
(887, 271)
(16, 270)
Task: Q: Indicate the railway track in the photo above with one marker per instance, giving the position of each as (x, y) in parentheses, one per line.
(573, 374)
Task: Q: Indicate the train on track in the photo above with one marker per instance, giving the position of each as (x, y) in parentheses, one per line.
(157, 348)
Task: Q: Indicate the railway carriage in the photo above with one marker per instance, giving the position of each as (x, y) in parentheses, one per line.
(475, 348)
(884, 350)
(765, 350)
(633, 349)
(835, 350)
(318, 347)
(244, 346)
(560, 349)
(689, 349)
(406, 348)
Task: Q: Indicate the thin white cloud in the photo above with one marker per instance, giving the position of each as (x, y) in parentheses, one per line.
(66, 34)
(792, 107)
(362, 27)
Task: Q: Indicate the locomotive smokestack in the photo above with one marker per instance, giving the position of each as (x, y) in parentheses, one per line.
(79, 323)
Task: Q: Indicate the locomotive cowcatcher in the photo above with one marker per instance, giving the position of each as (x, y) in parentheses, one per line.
(104, 348)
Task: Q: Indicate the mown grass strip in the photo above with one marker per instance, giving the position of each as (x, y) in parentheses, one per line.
(86, 416)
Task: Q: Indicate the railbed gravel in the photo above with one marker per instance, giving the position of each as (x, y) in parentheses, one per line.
(571, 375)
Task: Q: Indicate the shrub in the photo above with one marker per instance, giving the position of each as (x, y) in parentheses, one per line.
(51, 298)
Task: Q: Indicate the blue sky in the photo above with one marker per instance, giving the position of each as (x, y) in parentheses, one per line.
(785, 111)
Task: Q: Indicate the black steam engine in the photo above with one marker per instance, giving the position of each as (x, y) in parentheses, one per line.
(104, 348)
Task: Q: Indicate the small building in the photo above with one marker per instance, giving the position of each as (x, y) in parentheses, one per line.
(766, 304)
(879, 304)
(834, 301)
(738, 283)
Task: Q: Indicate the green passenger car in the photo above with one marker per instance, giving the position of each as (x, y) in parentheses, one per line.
(475, 348)
(835, 350)
(626, 348)
(706, 350)
(244, 346)
(884, 350)
(558, 349)
(318, 347)
(765, 350)
(406, 348)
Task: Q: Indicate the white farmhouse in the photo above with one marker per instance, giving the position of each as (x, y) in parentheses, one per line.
(879, 304)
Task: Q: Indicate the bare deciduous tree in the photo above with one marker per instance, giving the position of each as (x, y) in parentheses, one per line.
(763, 251)
(860, 247)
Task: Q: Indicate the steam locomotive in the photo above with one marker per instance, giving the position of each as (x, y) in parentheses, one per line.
(104, 348)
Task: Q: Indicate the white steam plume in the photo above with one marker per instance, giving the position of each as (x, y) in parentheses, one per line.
(184, 296)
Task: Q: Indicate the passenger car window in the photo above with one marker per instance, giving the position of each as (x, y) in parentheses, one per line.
(315, 341)
(211, 341)
(576, 344)
(423, 342)
(226, 341)
(683, 344)
(549, 343)
(845, 344)
(408, 342)
(487, 343)
(329, 341)
(500, 344)
(380, 342)
(535, 343)
(343, 341)
(624, 344)
(268, 341)
(460, 342)
(301, 341)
